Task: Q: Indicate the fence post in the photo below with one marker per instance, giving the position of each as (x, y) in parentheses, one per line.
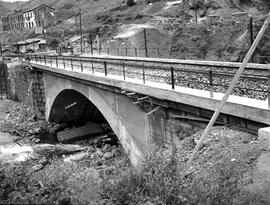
(56, 59)
(143, 74)
(45, 60)
(172, 78)
(51, 60)
(1, 84)
(105, 68)
(71, 62)
(268, 91)
(92, 67)
(136, 54)
(64, 63)
(91, 43)
(145, 43)
(158, 52)
(81, 65)
(124, 71)
(126, 51)
(211, 83)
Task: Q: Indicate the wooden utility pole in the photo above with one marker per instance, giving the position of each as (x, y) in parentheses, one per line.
(81, 30)
(145, 43)
(91, 43)
(230, 89)
(76, 24)
(195, 11)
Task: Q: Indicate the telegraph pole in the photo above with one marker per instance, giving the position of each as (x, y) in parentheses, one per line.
(76, 23)
(0, 49)
(145, 42)
(195, 11)
(81, 29)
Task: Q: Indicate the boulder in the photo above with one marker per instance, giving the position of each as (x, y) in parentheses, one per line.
(75, 157)
(107, 147)
(91, 173)
(116, 152)
(107, 155)
(37, 130)
(37, 167)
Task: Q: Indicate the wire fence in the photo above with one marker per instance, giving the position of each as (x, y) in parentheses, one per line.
(211, 76)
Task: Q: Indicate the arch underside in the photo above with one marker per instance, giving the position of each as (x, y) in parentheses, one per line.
(67, 100)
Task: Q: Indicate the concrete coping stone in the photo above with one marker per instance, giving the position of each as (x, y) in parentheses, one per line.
(264, 135)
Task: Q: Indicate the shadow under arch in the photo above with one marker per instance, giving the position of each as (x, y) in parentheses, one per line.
(71, 106)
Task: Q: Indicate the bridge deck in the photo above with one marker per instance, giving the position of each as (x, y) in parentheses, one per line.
(251, 109)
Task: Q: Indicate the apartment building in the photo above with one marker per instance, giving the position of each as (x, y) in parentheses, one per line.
(40, 16)
(14, 21)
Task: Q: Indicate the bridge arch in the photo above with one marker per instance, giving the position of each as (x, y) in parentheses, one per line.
(73, 106)
(116, 109)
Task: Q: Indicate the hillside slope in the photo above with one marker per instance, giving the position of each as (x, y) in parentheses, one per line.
(3, 9)
(170, 25)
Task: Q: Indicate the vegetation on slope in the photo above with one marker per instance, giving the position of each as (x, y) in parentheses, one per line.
(221, 174)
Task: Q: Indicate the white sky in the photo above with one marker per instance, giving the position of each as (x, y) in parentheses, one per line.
(14, 0)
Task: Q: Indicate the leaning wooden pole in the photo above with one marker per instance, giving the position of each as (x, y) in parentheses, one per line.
(230, 89)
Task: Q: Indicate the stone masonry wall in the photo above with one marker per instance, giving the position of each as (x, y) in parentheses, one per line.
(27, 86)
(38, 92)
(4, 81)
(20, 78)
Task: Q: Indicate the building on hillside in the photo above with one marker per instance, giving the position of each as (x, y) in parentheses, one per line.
(44, 16)
(14, 21)
(31, 45)
(40, 16)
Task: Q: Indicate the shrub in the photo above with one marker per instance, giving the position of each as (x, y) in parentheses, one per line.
(130, 3)
(162, 182)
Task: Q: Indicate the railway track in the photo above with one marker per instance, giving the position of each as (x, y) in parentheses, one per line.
(203, 75)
